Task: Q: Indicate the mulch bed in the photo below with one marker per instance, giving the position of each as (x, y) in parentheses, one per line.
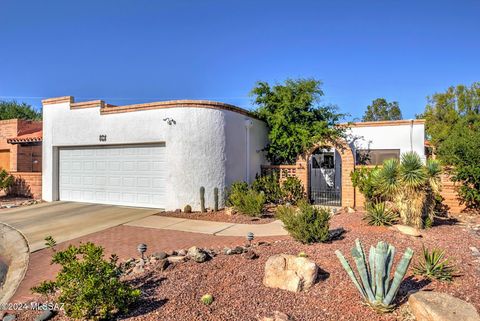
(222, 216)
(236, 283)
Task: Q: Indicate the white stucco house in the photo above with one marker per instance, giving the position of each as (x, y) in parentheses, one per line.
(160, 154)
(148, 155)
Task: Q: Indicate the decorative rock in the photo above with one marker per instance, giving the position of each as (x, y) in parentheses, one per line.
(182, 252)
(250, 255)
(229, 211)
(178, 210)
(45, 315)
(162, 264)
(171, 252)
(138, 269)
(227, 251)
(176, 259)
(336, 233)
(475, 251)
(197, 254)
(288, 272)
(160, 255)
(9, 317)
(350, 210)
(407, 230)
(238, 250)
(436, 306)
(276, 316)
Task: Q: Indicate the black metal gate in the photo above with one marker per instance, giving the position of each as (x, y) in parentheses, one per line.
(326, 196)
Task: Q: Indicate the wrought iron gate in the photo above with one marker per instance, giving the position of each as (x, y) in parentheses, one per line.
(324, 188)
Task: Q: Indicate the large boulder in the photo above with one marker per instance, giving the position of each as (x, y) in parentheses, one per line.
(435, 306)
(289, 272)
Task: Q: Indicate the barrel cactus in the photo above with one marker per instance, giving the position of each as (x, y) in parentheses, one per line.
(207, 299)
(215, 198)
(374, 283)
(202, 199)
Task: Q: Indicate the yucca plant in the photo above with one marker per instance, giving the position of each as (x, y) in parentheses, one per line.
(374, 283)
(378, 214)
(408, 183)
(434, 265)
(433, 170)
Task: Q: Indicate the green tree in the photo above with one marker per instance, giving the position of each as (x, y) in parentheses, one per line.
(12, 109)
(453, 127)
(381, 109)
(294, 118)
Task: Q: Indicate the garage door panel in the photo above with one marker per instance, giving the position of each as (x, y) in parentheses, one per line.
(120, 175)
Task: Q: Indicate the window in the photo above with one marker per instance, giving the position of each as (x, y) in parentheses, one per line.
(375, 156)
(323, 160)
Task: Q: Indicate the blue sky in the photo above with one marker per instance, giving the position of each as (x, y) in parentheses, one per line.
(138, 51)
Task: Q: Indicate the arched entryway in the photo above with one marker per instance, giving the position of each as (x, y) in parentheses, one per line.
(325, 171)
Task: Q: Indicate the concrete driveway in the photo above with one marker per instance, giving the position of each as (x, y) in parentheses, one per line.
(68, 220)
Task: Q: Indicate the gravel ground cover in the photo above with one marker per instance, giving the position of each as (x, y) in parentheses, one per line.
(222, 216)
(236, 282)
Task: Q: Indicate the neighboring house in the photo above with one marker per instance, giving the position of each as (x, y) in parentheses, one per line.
(21, 154)
(149, 155)
(325, 170)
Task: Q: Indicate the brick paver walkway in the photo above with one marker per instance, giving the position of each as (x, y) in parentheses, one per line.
(123, 240)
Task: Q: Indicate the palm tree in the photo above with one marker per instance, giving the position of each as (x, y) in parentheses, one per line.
(411, 186)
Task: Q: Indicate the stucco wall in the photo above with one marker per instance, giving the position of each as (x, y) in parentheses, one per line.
(404, 137)
(205, 147)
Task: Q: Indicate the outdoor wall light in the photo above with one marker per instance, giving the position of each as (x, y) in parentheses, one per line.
(142, 248)
(170, 121)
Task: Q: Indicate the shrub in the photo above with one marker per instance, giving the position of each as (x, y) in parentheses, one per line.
(6, 180)
(292, 189)
(364, 179)
(187, 209)
(433, 265)
(270, 186)
(308, 224)
(378, 214)
(251, 203)
(376, 287)
(235, 193)
(88, 285)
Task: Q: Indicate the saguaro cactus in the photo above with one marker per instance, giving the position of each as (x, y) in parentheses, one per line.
(215, 197)
(374, 282)
(202, 199)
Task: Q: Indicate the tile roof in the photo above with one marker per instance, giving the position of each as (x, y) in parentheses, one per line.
(32, 137)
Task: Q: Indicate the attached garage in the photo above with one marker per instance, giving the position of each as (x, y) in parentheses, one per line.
(131, 175)
(158, 154)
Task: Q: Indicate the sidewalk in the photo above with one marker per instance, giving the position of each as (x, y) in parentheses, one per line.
(208, 227)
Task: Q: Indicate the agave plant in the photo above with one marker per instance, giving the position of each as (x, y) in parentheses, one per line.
(434, 265)
(374, 283)
(379, 214)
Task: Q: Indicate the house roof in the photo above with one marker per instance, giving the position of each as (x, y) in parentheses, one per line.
(27, 137)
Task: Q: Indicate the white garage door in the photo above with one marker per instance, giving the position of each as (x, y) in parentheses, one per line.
(132, 175)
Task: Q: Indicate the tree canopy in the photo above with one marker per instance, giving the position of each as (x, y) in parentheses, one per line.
(453, 127)
(295, 118)
(12, 110)
(381, 109)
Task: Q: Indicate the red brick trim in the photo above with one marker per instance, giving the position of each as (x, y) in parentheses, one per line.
(106, 109)
(58, 100)
(176, 104)
(87, 104)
